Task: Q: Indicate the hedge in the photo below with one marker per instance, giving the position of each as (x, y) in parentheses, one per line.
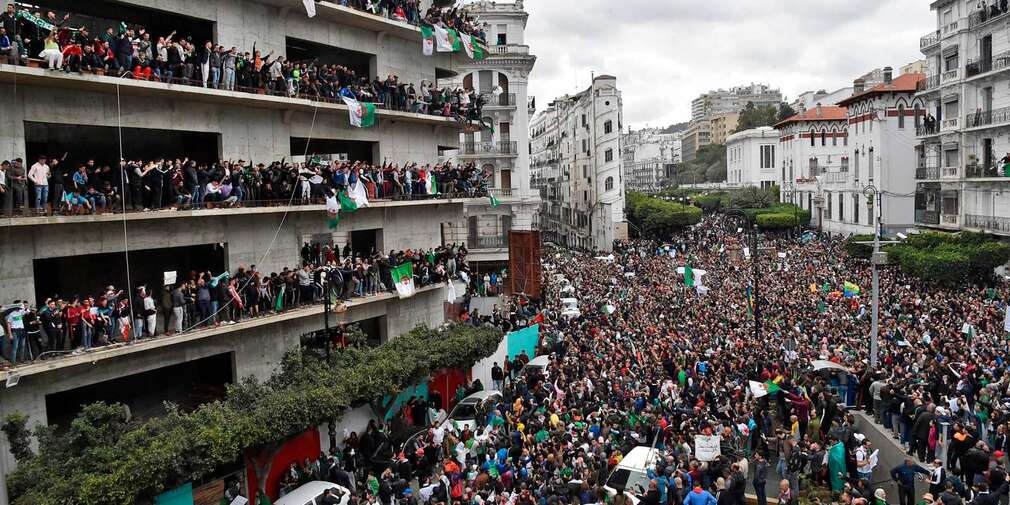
(709, 203)
(657, 217)
(950, 259)
(780, 208)
(777, 221)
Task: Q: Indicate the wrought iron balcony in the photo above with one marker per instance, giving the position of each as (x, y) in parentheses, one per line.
(980, 171)
(924, 172)
(929, 83)
(983, 66)
(930, 217)
(929, 40)
(984, 15)
(988, 223)
(995, 117)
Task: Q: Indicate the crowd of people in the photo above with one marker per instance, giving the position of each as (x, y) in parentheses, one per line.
(51, 187)
(134, 52)
(69, 323)
(653, 362)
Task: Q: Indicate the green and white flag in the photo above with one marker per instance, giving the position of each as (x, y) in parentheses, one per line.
(332, 212)
(362, 114)
(457, 43)
(403, 277)
(443, 40)
(347, 203)
(472, 47)
(688, 276)
(427, 40)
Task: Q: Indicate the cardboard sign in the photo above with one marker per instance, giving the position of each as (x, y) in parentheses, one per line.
(706, 447)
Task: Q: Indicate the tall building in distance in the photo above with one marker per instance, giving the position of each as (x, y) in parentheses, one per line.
(961, 182)
(576, 153)
(714, 114)
(751, 158)
(503, 153)
(648, 157)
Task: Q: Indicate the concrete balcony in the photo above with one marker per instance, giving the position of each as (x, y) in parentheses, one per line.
(507, 148)
(929, 40)
(38, 77)
(994, 224)
(951, 28)
(68, 359)
(265, 208)
(502, 101)
(949, 173)
(950, 77)
(949, 220)
(984, 16)
(949, 124)
(835, 177)
(978, 171)
(509, 49)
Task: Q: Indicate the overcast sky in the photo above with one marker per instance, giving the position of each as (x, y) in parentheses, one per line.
(665, 53)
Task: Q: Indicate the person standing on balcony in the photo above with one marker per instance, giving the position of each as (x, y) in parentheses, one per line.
(203, 58)
(39, 175)
(9, 23)
(228, 61)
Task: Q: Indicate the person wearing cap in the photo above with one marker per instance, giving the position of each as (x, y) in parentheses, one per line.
(880, 497)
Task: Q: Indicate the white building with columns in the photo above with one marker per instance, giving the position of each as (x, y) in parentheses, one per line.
(751, 158)
(503, 153)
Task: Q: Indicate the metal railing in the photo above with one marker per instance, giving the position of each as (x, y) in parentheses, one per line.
(929, 40)
(950, 76)
(988, 118)
(930, 82)
(989, 223)
(488, 242)
(991, 64)
(503, 100)
(923, 130)
(980, 171)
(927, 216)
(502, 192)
(924, 172)
(985, 15)
(500, 147)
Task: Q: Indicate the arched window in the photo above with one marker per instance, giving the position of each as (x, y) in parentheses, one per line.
(824, 137)
(813, 135)
(901, 116)
(834, 137)
(845, 137)
(918, 113)
(608, 184)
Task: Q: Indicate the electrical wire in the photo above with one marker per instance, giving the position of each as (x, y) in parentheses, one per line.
(122, 195)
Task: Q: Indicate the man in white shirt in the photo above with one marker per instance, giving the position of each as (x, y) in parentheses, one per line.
(39, 175)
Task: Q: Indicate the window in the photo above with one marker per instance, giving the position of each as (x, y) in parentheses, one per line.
(609, 184)
(608, 155)
(845, 164)
(813, 167)
(585, 145)
(841, 208)
(813, 135)
(608, 126)
(855, 209)
(901, 116)
(834, 137)
(845, 137)
(768, 156)
(824, 137)
(856, 167)
(585, 170)
(869, 164)
(918, 115)
(584, 120)
(829, 205)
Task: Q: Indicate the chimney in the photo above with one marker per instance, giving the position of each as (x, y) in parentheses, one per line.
(819, 110)
(858, 86)
(888, 72)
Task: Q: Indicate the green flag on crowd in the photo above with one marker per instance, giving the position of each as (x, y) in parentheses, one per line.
(688, 276)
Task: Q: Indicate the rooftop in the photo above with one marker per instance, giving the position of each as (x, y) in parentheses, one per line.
(819, 113)
(903, 84)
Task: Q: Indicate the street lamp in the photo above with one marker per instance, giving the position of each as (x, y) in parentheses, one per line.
(755, 271)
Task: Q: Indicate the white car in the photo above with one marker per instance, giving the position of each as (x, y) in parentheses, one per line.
(465, 412)
(312, 493)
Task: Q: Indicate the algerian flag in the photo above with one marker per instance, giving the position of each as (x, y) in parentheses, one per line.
(772, 387)
(403, 276)
(310, 7)
(457, 44)
(362, 114)
(332, 211)
(443, 42)
(358, 194)
(427, 40)
(279, 305)
(688, 276)
(494, 201)
(757, 389)
(346, 203)
(478, 50)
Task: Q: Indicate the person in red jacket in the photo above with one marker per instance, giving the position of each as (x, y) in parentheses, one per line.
(801, 408)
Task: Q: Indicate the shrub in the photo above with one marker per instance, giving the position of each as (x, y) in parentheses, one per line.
(655, 217)
(949, 259)
(708, 203)
(777, 221)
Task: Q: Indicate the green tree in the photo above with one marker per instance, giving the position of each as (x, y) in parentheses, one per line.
(751, 198)
(785, 112)
(752, 116)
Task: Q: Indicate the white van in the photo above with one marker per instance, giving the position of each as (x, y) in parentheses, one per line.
(537, 364)
(632, 472)
(312, 493)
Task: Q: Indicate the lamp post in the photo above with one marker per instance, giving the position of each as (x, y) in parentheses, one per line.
(870, 191)
(755, 270)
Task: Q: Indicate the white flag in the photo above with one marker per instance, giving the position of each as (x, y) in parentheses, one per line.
(467, 45)
(442, 42)
(358, 193)
(450, 290)
(310, 7)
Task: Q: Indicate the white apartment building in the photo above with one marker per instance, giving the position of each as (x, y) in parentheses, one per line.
(576, 152)
(751, 158)
(502, 78)
(812, 143)
(721, 101)
(960, 182)
(810, 99)
(881, 128)
(648, 158)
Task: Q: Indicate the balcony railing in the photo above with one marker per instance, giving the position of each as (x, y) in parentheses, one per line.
(501, 147)
(985, 15)
(510, 49)
(503, 100)
(923, 130)
(948, 172)
(929, 40)
(927, 217)
(993, 117)
(950, 28)
(983, 66)
(503, 192)
(988, 223)
(488, 242)
(949, 124)
(948, 219)
(980, 171)
(930, 82)
(950, 76)
(923, 172)
(835, 177)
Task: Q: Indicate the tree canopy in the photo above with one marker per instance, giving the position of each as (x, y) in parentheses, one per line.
(752, 116)
(103, 458)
